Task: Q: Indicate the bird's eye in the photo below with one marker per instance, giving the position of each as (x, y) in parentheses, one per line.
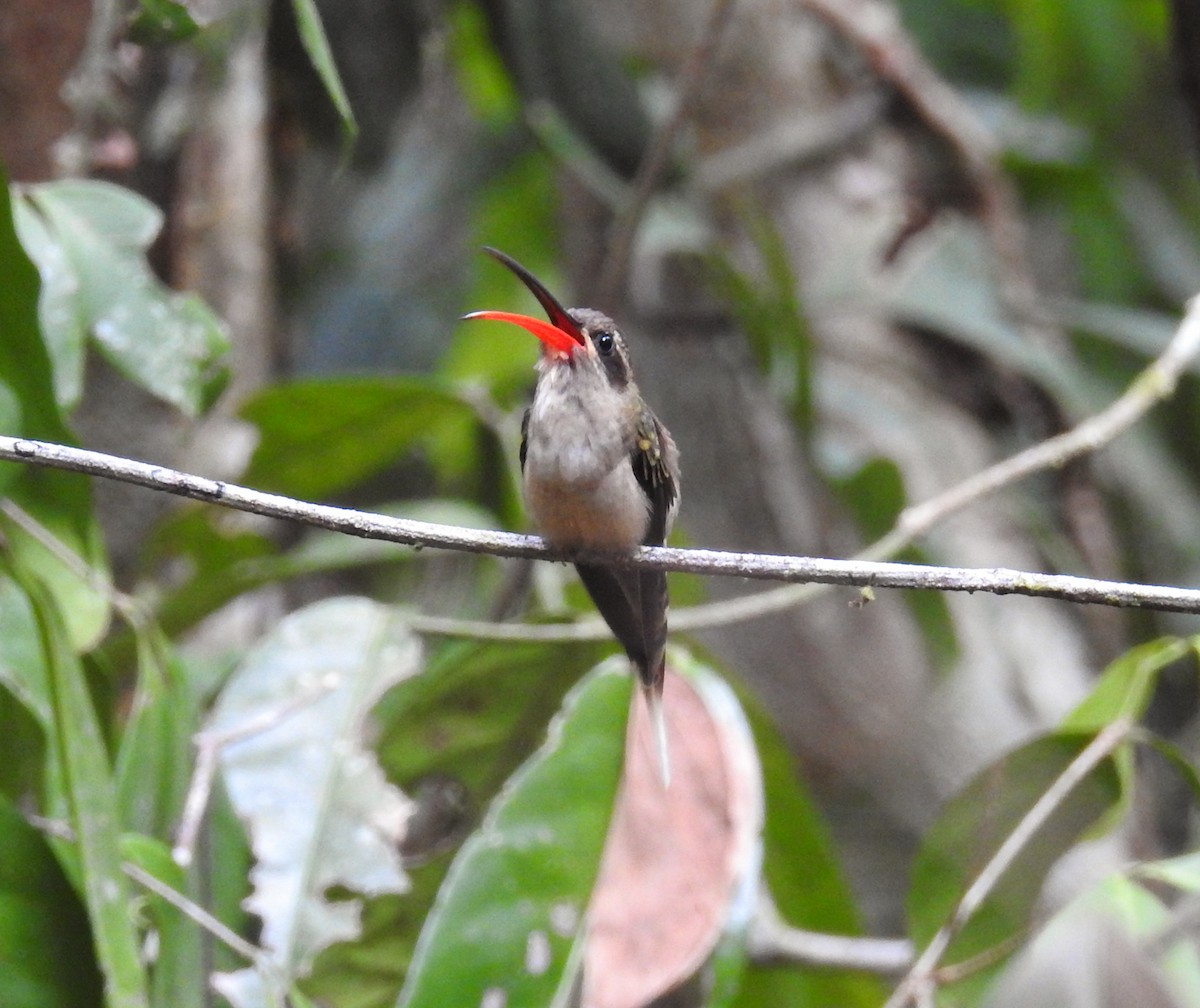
(604, 342)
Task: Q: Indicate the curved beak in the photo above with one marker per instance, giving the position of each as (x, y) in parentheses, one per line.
(561, 333)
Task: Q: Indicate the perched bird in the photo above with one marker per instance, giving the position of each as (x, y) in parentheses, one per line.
(600, 474)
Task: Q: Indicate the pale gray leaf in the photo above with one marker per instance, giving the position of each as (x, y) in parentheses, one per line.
(317, 808)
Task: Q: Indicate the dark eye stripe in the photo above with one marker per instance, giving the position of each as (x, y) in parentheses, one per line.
(612, 356)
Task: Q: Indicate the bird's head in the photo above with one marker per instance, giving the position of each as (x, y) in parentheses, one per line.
(571, 335)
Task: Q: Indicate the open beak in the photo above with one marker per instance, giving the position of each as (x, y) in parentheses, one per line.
(561, 333)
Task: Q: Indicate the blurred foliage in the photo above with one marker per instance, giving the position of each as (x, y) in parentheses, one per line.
(101, 698)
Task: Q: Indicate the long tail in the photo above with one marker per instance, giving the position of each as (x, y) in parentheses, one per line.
(658, 724)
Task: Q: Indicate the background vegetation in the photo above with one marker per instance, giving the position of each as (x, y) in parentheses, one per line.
(860, 251)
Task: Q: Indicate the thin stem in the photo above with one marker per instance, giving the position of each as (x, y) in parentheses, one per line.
(124, 604)
(920, 978)
(772, 940)
(193, 911)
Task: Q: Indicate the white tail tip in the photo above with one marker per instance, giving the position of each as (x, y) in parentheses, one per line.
(658, 724)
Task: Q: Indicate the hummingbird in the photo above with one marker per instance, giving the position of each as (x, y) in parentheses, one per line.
(600, 475)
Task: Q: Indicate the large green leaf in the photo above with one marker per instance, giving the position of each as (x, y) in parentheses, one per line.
(80, 783)
(315, 803)
(24, 364)
(321, 436)
(451, 737)
(971, 827)
(50, 529)
(46, 959)
(91, 249)
(526, 875)
(1124, 691)
(805, 881)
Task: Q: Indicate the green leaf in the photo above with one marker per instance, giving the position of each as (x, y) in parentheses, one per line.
(770, 315)
(1124, 691)
(1125, 688)
(46, 958)
(971, 827)
(530, 867)
(53, 504)
(88, 794)
(52, 534)
(451, 737)
(158, 22)
(875, 495)
(26, 711)
(805, 880)
(169, 343)
(322, 436)
(24, 365)
(179, 972)
(23, 666)
(60, 313)
(316, 45)
(154, 758)
(478, 711)
(22, 748)
(315, 803)
(1182, 872)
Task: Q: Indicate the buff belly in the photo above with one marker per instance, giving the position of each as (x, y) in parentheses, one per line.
(609, 516)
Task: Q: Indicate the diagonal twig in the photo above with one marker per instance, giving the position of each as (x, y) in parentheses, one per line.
(917, 983)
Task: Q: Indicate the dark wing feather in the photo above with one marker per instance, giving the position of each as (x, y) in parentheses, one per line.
(655, 464)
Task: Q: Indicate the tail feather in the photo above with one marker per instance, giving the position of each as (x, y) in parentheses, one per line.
(658, 725)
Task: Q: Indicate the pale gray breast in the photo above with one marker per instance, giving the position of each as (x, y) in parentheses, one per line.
(579, 483)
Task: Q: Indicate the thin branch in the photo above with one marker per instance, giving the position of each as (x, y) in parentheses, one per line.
(1156, 383)
(691, 81)
(62, 831)
(126, 605)
(194, 911)
(759, 566)
(918, 981)
(1152, 386)
(771, 940)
